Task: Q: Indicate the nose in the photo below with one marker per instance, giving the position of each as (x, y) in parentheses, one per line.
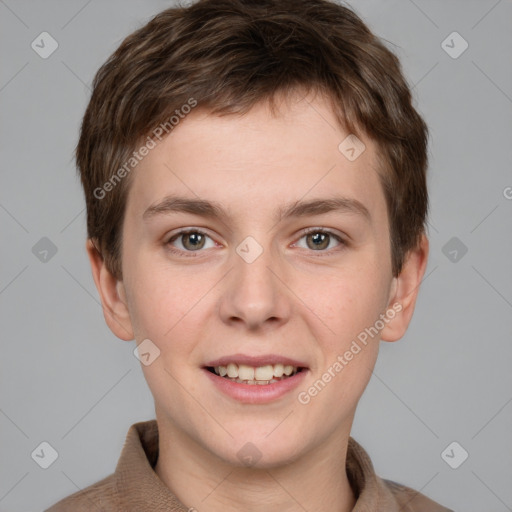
(254, 294)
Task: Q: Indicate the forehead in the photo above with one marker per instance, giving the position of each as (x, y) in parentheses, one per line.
(260, 162)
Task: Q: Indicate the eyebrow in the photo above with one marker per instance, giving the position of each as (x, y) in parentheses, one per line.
(214, 210)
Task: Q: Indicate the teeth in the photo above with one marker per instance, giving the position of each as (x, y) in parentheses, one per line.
(232, 370)
(288, 370)
(263, 372)
(245, 372)
(261, 375)
(278, 370)
(258, 382)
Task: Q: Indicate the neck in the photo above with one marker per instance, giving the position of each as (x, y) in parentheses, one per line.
(202, 481)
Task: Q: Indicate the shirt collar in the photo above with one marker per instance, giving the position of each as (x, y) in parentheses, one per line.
(140, 488)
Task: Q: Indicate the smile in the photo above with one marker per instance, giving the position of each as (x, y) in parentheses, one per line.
(251, 379)
(260, 375)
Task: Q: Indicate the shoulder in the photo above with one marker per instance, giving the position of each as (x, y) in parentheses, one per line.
(101, 496)
(411, 500)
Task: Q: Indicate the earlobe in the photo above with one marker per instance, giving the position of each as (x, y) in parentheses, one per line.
(112, 295)
(405, 291)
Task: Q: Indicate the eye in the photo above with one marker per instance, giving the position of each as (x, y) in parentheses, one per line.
(319, 239)
(192, 240)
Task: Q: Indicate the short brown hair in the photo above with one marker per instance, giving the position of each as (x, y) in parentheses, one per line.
(227, 56)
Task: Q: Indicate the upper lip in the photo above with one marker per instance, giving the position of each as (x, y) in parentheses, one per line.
(256, 361)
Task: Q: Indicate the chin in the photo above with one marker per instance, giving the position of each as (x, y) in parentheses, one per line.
(259, 452)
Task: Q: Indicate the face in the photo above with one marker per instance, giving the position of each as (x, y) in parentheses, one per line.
(252, 245)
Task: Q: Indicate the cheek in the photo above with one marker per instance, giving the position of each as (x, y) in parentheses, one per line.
(157, 301)
(347, 300)
(167, 304)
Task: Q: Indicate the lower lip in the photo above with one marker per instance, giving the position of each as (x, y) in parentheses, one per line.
(256, 393)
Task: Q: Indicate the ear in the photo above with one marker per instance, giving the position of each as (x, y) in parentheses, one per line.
(112, 294)
(404, 291)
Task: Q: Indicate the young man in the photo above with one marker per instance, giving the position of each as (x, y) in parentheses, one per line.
(254, 175)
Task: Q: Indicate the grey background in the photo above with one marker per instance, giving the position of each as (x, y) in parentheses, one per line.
(65, 379)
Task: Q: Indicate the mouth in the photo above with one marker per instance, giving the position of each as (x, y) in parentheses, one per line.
(261, 379)
(255, 375)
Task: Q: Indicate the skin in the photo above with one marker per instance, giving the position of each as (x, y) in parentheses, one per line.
(291, 301)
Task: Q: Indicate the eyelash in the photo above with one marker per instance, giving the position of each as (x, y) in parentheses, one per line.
(304, 233)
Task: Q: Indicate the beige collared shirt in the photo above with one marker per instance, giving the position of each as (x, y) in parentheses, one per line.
(135, 487)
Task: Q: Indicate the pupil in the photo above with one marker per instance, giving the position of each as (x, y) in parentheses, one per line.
(319, 239)
(194, 239)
